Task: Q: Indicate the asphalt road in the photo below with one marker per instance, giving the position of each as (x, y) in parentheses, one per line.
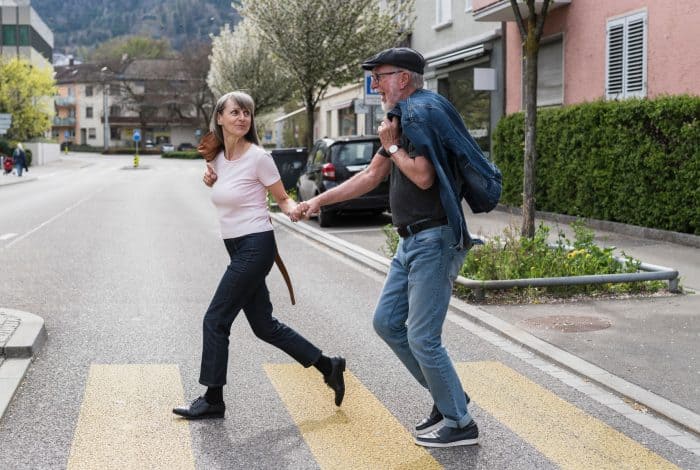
(122, 263)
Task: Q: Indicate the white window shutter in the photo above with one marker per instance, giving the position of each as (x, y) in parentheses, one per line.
(635, 51)
(615, 59)
(626, 57)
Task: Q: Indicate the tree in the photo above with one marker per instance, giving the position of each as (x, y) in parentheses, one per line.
(26, 92)
(322, 42)
(131, 47)
(530, 33)
(240, 60)
(195, 92)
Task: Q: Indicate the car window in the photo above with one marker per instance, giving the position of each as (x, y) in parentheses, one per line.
(353, 153)
(318, 156)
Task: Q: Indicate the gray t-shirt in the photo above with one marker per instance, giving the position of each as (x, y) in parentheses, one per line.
(408, 202)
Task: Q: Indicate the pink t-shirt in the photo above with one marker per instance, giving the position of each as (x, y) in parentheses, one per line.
(240, 192)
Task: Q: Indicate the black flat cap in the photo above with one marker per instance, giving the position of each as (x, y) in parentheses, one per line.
(403, 57)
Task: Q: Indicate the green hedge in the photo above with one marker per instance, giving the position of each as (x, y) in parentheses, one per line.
(635, 161)
(187, 154)
(128, 151)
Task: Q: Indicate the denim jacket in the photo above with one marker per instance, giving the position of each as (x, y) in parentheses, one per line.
(436, 130)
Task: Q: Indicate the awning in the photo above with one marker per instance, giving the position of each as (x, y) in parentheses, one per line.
(462, 54)
(502, 10)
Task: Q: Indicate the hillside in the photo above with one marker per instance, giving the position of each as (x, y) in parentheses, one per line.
(86, 23)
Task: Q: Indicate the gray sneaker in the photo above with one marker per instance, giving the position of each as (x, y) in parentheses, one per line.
(434, 420)
(450, 437)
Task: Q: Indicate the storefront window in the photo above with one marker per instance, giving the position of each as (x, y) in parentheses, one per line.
(347, 121)
(473, 105)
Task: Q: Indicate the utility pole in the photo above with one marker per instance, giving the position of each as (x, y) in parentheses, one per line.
(105, 107)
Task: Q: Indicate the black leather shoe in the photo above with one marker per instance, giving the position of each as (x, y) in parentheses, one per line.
(200, 409)
(335, 379)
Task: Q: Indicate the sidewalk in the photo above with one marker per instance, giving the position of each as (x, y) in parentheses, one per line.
(643, 349)
(36, 172)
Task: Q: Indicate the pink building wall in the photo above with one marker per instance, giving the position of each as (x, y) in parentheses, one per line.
(673, 60)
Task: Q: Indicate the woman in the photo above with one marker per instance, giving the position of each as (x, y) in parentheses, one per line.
(244, 173)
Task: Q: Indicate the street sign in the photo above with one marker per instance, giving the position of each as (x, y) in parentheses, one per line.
(137, 135)
(371, 97)
(198, 133)
(5, 122)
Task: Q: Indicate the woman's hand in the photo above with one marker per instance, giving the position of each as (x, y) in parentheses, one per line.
(210, 176)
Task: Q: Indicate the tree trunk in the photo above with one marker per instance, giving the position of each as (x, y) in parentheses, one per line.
(309, 137)
(530, 158)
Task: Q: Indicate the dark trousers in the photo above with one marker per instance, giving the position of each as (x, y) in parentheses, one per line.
(243, 287)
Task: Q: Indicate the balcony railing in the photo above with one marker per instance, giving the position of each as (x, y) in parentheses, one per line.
(65, 100)
(63, 122)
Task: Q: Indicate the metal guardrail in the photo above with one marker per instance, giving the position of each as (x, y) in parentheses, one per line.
(650, 272)
(65, 122)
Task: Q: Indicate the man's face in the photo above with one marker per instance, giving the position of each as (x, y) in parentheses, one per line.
(386, 81)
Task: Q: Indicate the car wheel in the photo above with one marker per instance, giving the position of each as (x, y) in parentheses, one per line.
(325, 218)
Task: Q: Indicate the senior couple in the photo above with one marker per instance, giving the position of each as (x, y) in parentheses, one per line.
(433, 243)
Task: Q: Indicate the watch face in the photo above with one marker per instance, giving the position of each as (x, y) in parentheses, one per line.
(393, 149)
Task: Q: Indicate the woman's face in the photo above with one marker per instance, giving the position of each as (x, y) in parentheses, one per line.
(234, 120)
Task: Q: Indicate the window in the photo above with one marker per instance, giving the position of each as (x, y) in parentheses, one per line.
(24, 35)
(88, 90)
(468, 5)
(92, 133)
(114, 110)
(9, 35)
(625, 64)
(88, 112)
(550, 74)
(443, 12)
(347, 123)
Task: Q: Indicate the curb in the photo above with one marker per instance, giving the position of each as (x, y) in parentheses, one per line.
(24, 343)
(677, 414)
(15, 180)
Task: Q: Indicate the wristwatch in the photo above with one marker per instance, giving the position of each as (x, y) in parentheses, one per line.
(393, 149)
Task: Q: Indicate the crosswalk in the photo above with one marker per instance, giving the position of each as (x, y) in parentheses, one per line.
(125, 421)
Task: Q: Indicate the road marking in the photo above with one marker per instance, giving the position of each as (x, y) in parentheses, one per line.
(125, 420)
(360, 434)
(561, 432)
(7, 236)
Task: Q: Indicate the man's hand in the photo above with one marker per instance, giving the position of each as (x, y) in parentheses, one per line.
(389, 133)
(210, 176)
(306, 209)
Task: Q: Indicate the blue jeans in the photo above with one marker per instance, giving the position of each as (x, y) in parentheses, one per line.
(412, 309)
(243, 287)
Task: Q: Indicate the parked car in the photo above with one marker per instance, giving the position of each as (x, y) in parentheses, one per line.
(167, 147)
(333, 161)
(185, 146)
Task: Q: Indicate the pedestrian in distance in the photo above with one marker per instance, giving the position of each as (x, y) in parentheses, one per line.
(19, 158)
(241, 173)
(432, 246)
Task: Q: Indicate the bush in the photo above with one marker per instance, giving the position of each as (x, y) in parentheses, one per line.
(635, 161)
(128, 151)
(514, 257)
(186, 154)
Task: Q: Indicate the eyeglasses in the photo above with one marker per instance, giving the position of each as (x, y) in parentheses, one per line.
(378, 76)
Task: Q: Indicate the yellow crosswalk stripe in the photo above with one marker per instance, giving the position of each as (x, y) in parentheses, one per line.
(125, 420)
(361, 434)
(561, 432)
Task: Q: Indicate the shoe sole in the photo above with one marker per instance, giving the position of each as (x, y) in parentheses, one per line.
(463, 442)
(207, 416)
(432, 428)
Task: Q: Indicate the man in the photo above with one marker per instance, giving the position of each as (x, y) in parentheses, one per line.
(413, 305)
(20, 159)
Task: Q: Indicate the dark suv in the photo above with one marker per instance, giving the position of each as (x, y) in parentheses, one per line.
(333, 161)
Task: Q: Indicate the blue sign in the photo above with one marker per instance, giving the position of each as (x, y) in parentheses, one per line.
(197, 133)
(137, 135)
(368, 86)
(66, 134)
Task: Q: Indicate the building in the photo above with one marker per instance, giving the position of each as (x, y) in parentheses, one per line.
(99, 107)
(593, 50)
(464, 62)
(23, 34)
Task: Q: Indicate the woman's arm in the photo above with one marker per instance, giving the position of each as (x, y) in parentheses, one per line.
(285, 203)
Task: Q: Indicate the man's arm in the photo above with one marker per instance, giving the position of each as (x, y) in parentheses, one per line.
(363, 182)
